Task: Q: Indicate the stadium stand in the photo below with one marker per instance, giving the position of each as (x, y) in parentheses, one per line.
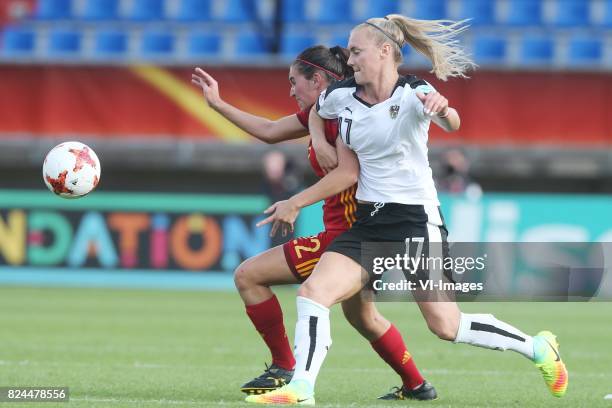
(18, 41)
(293, 11)
(585, 51)
(249, 42)
(239, 11)
(157, 43)
(54, 9)
(607, 14)
(529, 33)
(429, 9)
(382, 7)
(110, 43)
(293, 43)
(481, 12)
(147, 10)
(339, 38)
(523, 13)
(201, 44)
(490, 49)
(64, 41)
(334, 12)
(101, 10)
(194, 10)
(572, 13)
(537, 50)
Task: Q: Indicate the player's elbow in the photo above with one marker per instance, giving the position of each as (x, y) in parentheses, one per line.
(349, 169)
(451, 127)
(352, 175)
(455, 125)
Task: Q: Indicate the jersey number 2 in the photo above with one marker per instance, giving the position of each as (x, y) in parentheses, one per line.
(316, 246)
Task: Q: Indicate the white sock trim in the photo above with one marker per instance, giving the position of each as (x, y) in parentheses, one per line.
(310, 306)
(312, 339)
(484, 330)
(459, 334)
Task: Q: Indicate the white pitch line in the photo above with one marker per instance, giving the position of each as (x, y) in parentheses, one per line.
(98, 349)
(433, 371)
(136, 401)
(208, 403)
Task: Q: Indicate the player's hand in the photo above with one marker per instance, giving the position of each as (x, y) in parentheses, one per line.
(209, 86)
(284, 214)
(327, 156)
(434, 103)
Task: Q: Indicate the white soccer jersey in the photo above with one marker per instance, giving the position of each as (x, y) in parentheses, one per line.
(390, 139)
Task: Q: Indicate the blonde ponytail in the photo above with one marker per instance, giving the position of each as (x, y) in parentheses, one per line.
(435, 39)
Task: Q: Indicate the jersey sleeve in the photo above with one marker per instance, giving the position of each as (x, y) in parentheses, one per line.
(302, 116)
(327, 104)
(425, 88)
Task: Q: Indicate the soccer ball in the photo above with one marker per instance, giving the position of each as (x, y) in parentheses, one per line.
(71, 170)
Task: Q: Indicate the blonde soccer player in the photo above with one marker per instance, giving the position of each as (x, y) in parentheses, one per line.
(384, 121)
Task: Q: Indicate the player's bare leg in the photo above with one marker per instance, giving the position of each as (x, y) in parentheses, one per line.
(253, 279)
(442, 318)
(254, 276)
(365, 318)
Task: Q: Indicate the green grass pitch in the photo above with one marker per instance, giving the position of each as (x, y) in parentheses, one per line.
(120, 348)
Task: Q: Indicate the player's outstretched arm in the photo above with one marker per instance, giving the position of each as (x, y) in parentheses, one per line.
(284, 213)
(435, 105)
(269, 131)
(339, 179)
(326, 154)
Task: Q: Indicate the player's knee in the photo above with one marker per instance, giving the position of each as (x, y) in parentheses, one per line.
(311, 290)
(306, 290)
(243, 278)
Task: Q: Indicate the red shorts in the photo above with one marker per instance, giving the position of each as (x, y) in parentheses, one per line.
(303, 253)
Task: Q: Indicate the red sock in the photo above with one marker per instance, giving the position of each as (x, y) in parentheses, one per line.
(390, 346)
(267, 317)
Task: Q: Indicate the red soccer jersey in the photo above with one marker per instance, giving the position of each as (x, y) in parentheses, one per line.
(338, 210)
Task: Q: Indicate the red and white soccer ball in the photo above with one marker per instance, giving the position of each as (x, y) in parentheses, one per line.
(71, 170)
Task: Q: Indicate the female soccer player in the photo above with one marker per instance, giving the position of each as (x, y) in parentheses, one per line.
(385, 120)
(313, 71)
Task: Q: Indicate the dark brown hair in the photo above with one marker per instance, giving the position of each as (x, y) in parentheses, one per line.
(331, 62)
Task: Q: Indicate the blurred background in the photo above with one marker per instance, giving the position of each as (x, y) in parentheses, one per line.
(181, 188)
